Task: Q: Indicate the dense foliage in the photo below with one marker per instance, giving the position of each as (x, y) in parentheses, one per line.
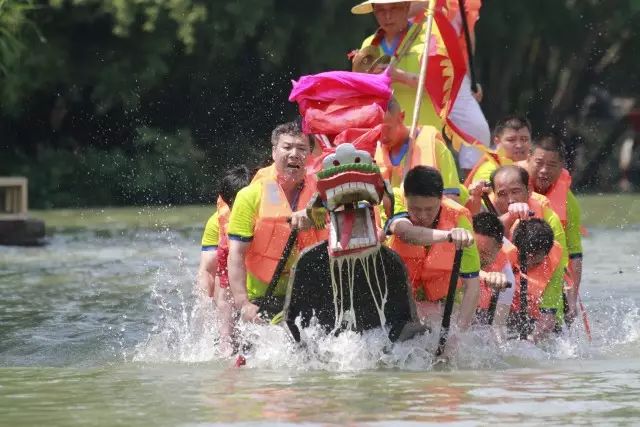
(148, 101)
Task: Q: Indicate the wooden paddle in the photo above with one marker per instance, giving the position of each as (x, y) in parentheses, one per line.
(448, 306)
(421, 81)
(524, 309)
(489, 204)
(493, 304)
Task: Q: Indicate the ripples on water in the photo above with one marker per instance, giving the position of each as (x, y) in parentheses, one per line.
(96, 326)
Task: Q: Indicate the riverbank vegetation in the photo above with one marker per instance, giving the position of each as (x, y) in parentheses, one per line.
(121, 102)
(598, 210)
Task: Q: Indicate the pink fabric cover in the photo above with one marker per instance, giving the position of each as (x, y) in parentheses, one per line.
(343, 105)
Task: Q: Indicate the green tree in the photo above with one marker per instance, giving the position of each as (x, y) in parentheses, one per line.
(82, 81)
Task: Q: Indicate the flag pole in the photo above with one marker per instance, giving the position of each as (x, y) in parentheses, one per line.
(421, 80)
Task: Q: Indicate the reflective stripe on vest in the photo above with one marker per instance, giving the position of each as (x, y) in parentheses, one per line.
(538, 278)
(429, 268)
(272, 230)
(423, 153)
(508, 253)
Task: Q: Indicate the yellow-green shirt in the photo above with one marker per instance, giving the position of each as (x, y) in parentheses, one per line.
(449, 171)
(406, 95)
(485, 170)
(211, 234)
(552, 297)
(445, 163)
(572, 229)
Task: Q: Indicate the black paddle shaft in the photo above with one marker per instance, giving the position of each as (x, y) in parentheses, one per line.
(448, 306)
(467, 38)
(524, 305)
(493, 305)
(487, 202)
(291, 242)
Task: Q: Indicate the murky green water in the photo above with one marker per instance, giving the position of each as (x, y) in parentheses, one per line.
(102, 329)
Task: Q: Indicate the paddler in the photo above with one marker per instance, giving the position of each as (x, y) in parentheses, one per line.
(498, 263)
(427, 149)
(263, 215)
(397, 34)
(545, 272)
(426, 229)
(270, 170)
(512, 138)
(547, 176)
(213, 275)
(514, 201)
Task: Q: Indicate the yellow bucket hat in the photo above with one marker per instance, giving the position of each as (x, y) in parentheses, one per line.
(367, 6)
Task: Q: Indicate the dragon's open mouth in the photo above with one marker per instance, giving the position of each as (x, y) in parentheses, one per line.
(352, 229)
(350, 187)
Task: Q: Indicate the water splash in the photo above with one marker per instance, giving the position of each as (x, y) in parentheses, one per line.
(188, 334)
(184, 329)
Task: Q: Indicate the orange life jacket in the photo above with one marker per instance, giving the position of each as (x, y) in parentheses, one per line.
(429, 268)
(271, 230)
(538, 278)
(271, 172)
(265, 172)
(557, 195)
(537, 203)
(508, 253)
(423, 153)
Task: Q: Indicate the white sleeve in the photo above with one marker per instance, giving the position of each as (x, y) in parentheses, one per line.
(506, 296)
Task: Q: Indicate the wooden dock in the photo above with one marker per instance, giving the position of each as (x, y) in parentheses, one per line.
(16, 228)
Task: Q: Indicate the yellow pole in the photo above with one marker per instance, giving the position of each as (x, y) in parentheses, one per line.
(421, 79)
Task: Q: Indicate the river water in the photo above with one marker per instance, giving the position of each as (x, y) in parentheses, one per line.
(102, 328)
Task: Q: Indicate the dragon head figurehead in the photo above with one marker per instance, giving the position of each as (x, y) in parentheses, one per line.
(347, 110)
(350, 187)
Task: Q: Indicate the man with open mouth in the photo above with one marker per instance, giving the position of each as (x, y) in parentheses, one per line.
(263, 215)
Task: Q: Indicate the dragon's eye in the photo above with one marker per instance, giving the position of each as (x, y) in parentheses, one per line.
(357, 160)
(336, 163)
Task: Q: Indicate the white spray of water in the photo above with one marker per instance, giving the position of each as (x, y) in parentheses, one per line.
(184, 329)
